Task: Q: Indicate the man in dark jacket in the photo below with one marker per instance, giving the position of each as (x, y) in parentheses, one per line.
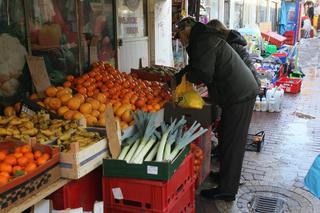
(237, 42)
(231, 85)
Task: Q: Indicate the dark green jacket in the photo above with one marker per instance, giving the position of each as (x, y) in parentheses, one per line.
(213, 62)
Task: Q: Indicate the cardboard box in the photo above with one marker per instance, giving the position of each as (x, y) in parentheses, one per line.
(205, 116)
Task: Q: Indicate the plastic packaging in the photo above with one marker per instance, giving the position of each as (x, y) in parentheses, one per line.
(257, 105)
(264, 105)
(271, 105)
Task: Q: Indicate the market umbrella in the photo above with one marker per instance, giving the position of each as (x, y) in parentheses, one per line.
(283, 18)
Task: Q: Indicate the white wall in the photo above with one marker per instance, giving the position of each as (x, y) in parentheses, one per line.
(160, 32)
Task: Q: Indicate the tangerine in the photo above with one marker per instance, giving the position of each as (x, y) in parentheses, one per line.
(95, 113)
(67, 84)
(4, 167)
(70, 78)
(51, 91)
(62, 110)
(86, 108)
(2, 156)
(10, 159)
(81, 97)
(55, 103)
(26, 148)
(77, 115)
(37, 154)
(3, 180)
(94, 103)
(42, 160)
(16, 168)
(29, 155)
(22, 161)
(74, 103)
(65, 98)
(68, 115)
(30, 167)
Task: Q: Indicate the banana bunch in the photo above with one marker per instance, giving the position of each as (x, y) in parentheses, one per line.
(38, 126)
(84, 137)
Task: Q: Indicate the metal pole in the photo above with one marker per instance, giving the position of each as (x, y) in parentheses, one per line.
(27, 21)
(78, 8)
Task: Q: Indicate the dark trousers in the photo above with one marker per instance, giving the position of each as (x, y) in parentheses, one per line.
(233, 132)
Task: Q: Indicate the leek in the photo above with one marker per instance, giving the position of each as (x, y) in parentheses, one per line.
(132, 151)
(171, 139)
(152, 153)
(147, 133)
(145, 150)
(127, 145)
(187, 138)
(165, 134)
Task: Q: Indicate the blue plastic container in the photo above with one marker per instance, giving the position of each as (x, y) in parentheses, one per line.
(312, 180)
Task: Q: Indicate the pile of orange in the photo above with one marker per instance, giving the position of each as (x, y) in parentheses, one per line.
(120, 87)
(19, 162)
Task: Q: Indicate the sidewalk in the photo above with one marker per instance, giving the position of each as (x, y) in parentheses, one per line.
(292, 142)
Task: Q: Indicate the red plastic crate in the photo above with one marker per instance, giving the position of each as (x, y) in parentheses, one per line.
(147, 195)
(79, 193)
(185, 204)
(291, 85)
(273, 38)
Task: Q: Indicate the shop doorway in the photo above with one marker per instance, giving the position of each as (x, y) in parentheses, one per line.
(132, 37)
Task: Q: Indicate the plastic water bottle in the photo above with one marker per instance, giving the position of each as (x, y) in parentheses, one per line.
(271, 104)
(257, 105)
(264, 105)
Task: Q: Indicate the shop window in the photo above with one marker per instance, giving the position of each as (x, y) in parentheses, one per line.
(238, 14)
(54, 35)
(131, 18)
(262, 10)
(274, 15)
(97, 27)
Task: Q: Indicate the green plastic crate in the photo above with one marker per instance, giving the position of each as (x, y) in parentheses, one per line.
(148, 170)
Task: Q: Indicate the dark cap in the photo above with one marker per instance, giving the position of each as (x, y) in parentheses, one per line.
(183, 23)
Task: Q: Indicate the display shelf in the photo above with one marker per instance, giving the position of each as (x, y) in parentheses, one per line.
(32, 200)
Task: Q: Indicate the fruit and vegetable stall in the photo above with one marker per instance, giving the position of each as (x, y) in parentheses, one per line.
(108, 132)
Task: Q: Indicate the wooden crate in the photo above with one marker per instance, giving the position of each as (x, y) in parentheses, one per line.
(76, 163)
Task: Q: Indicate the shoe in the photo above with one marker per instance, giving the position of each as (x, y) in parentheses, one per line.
(215, 194)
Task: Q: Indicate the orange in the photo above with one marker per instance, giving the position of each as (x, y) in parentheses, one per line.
(102, 108)
(74, 103)
(102, 121)
(70, 78)
(3, 180)
(86, 108)
(17, 149)
(18, 155)
(22, 161)
(156, 106)
(10, 159)
(42, 160)
(37, 154)
(46, 156)
(94, 103)
(80, 97)
(2, 156)
(91, 120)
(9, 111)
(77, 115)
(34, 96)
(101, 98)
(68, 115)
(51, 91)
(62, 110)
(6, 174)
(95, 113)
(62, 92)
(59, 88)
(82, 90)
(26, 148)
(67, 84)
(55, 103)
(29, 155)
(4, 167)
(30, 167)
(47, 101)
(123, 125)
(65, 98)
(126, 116)
(140, 103)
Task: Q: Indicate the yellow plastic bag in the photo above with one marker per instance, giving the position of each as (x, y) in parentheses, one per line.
(187, 97)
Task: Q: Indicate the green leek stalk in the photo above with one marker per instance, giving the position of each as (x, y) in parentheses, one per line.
(147, 133)
(185, 140)
(144, 151)
(163, 141)
(127, 145)
(132, 151)
(152, 153)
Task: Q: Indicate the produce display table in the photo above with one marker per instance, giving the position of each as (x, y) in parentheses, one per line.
(39, 196)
